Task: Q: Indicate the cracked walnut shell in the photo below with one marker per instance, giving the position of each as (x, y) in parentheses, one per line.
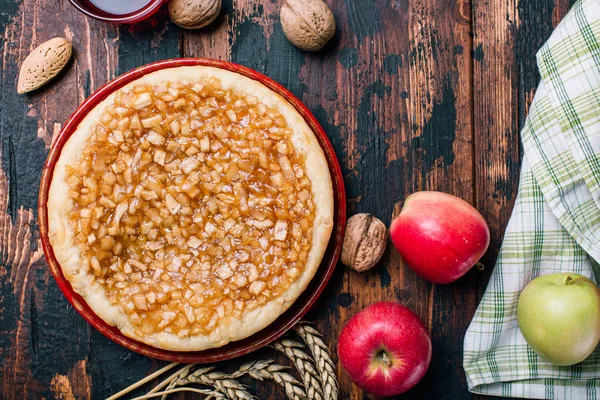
(364, 243)
(194, 14)
(308, 24)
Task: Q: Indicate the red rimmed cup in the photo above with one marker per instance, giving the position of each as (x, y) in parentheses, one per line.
(88, 8)
(285, 321)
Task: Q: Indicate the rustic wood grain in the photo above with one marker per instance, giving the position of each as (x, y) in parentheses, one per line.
(42, 338)
(506, 36)
(414, 95)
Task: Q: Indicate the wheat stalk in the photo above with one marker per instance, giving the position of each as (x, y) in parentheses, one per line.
(316, 385)
(304, 365)
(172, 380)
(210, 394)
(142, 381)
(322, 357)
(222, 382)
(227, 384)
(261, 370)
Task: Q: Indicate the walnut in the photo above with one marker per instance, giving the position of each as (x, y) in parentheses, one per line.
(364, 242)
(194, 14)
(308, 24)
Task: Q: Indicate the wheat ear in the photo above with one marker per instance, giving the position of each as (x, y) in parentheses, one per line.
(322, 357)
(171, 381)
(222, 382)
(303, 363)
(261, 370)
(316, 385)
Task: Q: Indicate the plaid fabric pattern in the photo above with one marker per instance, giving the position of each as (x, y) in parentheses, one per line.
(555, 225)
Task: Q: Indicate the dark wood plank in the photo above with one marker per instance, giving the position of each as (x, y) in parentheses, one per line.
(442, 145)
(47, 349)
(506, 36)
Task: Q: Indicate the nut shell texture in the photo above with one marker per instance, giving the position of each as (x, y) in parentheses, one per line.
(43, 64)
(194, 14)
(364, 243)
(308, 24)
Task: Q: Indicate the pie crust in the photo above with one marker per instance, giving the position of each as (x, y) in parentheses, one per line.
(69, 257)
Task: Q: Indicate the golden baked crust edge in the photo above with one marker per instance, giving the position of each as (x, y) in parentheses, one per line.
(232, 329)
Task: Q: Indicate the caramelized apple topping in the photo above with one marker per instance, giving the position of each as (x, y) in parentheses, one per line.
(190, 205)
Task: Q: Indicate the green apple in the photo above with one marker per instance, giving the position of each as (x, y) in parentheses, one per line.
(559, 316)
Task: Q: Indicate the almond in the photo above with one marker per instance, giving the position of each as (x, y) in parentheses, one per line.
(43, 64)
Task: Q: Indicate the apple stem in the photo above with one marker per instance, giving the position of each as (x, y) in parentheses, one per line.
(386, 359)
(568, 280)
(480, 266)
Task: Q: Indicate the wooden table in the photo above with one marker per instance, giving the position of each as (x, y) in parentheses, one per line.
(414, 95)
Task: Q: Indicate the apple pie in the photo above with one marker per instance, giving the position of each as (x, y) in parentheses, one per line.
(191, 208)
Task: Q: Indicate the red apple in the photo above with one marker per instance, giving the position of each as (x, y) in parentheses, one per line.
(439, 235)
(385, 349)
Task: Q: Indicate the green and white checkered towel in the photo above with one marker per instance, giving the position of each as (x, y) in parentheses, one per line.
(555, 225)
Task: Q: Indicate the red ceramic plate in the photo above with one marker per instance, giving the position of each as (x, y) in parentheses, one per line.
(286, 320)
